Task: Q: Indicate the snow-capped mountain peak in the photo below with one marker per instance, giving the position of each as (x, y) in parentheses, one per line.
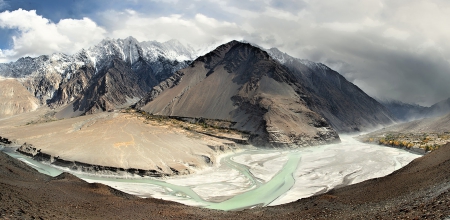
(43, 76)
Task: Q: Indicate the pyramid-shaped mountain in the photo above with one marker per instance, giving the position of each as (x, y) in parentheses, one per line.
(242, 84)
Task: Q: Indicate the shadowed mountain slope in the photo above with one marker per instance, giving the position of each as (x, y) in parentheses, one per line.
(404, 111)
(294, 103)
(425, 125)
(116, 85)
(346, 107)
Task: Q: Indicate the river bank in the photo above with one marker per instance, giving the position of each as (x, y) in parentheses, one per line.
(261, 177)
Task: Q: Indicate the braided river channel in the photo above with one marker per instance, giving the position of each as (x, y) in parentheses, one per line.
(254, 178)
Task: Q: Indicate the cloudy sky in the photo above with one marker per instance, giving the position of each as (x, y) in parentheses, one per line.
(390, 49)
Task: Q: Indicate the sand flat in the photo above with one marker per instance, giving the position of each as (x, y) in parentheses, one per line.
(115, 139)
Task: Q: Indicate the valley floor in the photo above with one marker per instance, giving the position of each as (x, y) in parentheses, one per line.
(257, 177)
(419, 190)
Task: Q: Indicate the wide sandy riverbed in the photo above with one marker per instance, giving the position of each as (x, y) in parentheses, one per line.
(261, 177)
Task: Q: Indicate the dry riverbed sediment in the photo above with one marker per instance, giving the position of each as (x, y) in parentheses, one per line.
(420, 190)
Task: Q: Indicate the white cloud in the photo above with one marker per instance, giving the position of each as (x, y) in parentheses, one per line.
(199, 30)
(396, 34)
(38, 35)
(346, 27)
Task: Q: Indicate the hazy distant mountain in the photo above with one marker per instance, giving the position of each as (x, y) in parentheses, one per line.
(60, 79)
(439, 109)
(346, 107)
(424, 125)
(404, 111)
(408, 112)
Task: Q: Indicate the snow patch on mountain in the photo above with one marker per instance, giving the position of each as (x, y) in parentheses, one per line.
(128, 49)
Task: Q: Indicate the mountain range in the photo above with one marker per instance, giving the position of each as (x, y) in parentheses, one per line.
(275, 97)
(408, 112)
(83, 79)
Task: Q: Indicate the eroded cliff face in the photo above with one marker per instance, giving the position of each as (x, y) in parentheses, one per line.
(15, 98)
(116, 85)
(69, 90)
(242, 84)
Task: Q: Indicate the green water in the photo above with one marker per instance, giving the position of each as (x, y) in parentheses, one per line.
(265, 193)
(261, 194)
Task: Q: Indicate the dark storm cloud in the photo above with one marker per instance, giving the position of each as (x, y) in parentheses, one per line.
(292, 6)
(386, 68)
